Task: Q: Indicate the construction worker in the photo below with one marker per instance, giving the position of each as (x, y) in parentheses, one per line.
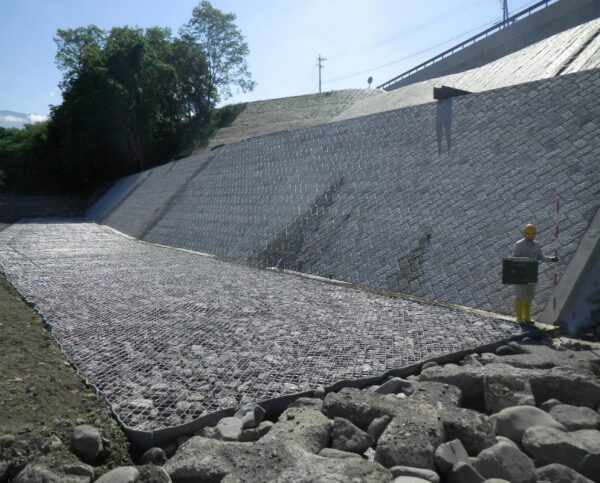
(529, 248)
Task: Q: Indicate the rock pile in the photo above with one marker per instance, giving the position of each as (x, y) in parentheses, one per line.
(525, 414)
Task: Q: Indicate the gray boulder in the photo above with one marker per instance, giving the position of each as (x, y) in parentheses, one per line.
(394, 385)
(439, 395)
(512, 422)
(507, 462)
(360, 407)
(86, 443)
(556, 473)
(377, 426)
(473, 429)
(579, 450)
(463, 472)
(254, 434)
(448, 454)
(306, 428)
(549, 404)
(152, 474)
(78, 469)
(504, 439)
(409, 471)
(411, 437)
(502, 391)
(36, 474)
(347, 437)
(229, 429)
(468, 379)
(250, 415)
(277, 460)
(154, 456)
(409, 479)
(570, 386)
(336, 453)
(122, 474)
(574, 417)
(307, 403)
(319, 392)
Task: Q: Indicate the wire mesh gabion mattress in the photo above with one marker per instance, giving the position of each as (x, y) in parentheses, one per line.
(168, 336)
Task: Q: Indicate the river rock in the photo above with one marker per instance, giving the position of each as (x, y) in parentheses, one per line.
(463, 472)
(278, 459)
(254, 434)
(86, 443)
(345, 436)
(360, 407)
(377, 426)
(79, 469)
(308, 403)
(448, 454)
(549, 404)
(307, 428)
(557, 473)
(512, 422)
(507, 462)
(570, 386)
(439, 395)
(409, 479)
(411, 437)
(154, 456)
(250, 415)
(427, 475)
(574, 417)
(579, 450)
(336, 453)
(122, 474)
(394, 385)
(473, 429)
(502, 391)
(33, 474)
(229, 429)
(152, 474)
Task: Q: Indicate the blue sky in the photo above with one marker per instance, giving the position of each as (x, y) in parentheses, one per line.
(285, 37)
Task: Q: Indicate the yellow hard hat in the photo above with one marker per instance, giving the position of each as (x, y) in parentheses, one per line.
(529, 231)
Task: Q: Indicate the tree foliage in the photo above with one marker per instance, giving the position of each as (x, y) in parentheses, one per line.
(132, 98)
(225, 47)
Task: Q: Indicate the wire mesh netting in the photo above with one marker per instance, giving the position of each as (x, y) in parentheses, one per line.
(168, 336)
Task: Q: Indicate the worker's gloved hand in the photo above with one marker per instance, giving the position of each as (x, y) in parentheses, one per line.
(554, 259)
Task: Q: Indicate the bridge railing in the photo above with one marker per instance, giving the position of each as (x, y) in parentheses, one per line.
(465, 43)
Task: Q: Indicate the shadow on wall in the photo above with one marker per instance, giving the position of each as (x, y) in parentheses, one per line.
(290, 249)
(410, 267)
(443, 124)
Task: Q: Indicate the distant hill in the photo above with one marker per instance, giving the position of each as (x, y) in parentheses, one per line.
(17, 120)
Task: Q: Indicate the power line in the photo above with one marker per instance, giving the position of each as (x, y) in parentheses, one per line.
(410, 56)
(411, 30)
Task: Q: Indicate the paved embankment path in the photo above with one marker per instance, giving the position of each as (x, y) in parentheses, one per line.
(169, 335)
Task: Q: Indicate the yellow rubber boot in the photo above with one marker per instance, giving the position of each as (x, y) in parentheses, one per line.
(519, 310)
(526, 312)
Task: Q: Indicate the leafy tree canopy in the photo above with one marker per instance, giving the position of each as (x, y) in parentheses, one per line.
(225, 47)
(132, 98)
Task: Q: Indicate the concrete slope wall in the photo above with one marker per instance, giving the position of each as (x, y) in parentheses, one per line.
(568, 52)
(424, 200)
(540, 25)
(274, 115)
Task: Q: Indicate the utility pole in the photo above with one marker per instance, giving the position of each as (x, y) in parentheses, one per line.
(504, 11)
(320, 65)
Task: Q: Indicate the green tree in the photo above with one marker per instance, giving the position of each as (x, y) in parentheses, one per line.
(225, 47)
(131, 99)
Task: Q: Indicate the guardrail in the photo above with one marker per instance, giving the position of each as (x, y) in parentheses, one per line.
(465, 43)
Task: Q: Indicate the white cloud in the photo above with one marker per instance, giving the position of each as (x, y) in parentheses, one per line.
(37, 118)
